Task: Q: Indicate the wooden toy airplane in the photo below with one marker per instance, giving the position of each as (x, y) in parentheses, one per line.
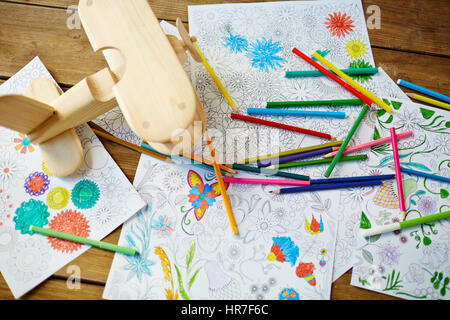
(145, 77)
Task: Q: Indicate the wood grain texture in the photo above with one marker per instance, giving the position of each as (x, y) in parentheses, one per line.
(419, 26)
(412, 44)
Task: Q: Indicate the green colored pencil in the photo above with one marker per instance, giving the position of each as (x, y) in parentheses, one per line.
(352, 131)
(405, 224)
(311, 103)
(316, 162)
(271, 172)
(295, 151)
(317, 73)
(90, 242)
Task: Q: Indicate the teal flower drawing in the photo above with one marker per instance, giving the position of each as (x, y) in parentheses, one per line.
(31, 213)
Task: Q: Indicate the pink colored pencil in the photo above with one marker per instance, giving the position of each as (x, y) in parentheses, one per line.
(267, 181)
(398, 174)
(370, 144)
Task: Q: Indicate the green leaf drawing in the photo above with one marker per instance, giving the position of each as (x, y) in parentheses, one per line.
(194, 276)
(376, 134)
(360, 64)
(365, 223)
(180, 284)
(444, 193)
(392, 282)
(367, 256)
(190, 255)
(427, 114)
(396, 105)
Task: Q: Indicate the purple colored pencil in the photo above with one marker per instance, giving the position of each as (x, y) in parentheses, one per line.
(294, 157)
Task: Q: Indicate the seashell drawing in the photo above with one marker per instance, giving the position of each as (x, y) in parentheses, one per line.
(306, 271)
(283, 250)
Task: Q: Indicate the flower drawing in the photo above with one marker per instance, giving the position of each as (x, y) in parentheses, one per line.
(31, 213)
(72, 222)
(23, 144)
(85, 194)
(427, 205)
(288, 294)
(163, 226)
(235, 43)
(355, 49)
(263, 54)
(10, 168)
(389, 254)
(36, 184)
(339, 24)
(358, 64)
(202, 196)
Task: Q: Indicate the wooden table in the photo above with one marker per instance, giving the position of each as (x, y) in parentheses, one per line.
(412, 44)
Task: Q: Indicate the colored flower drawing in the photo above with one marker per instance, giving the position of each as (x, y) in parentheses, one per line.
(235, 43)
(358, 64)
(288, 294)
(37, 184)
(306, 271)
(427, 205)
(163, 226)
(72, 222)
(314, 227)
(339, 24)
(202, 196)
(283, 250)
(58, 198)
(31, 213)
(23, 144)
(389, 254)
(355, 49)
(85, 194)
(263, 54)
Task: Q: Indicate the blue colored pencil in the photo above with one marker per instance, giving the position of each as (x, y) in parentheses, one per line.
(423, 90)
(330, 186)
(295, 113)
(317, 73)
(354, 179)
(424, 174)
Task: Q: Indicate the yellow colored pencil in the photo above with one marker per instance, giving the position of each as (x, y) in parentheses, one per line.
(217, 81)
(353, 83)
(223, 188)
(428, 100)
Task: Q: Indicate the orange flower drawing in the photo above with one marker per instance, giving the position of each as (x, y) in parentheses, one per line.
(72, 222)
(23, 144)
(339, 24)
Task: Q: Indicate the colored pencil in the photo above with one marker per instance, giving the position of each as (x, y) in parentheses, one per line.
(223, 189)
(192, 160)
(423, 174)
(347, 140)
(296, 113)
(314, 103)
(132, 146)
(282, 126)
(398, 173)
(353, 83)
(217, 80)
(370, 144)
(294, 157)
(294, 151)
(270, 172)
(334, 77)
(423, 90)
(429, 100)
(82, 240)
(317, 162)
(317, 73)
(354, 179)
(405, 224)
(329, 186)
(267, 181)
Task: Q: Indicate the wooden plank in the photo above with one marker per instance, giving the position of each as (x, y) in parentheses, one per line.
(419, 26)
(55, 289)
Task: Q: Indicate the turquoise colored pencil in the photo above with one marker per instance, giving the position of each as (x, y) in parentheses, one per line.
(347, 140)
(296, 113)
(316, 162)
(270, 172)
(90, 242)
(314, 103)
(317, 73)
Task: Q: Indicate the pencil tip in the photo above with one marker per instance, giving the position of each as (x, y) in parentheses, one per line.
(409, 94)
(398, 81)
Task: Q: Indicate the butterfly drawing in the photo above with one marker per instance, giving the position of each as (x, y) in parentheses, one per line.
(202, 195)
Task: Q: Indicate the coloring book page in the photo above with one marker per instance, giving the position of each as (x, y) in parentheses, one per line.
(412, 263)
(189, 252)
(91, 203)
(249, 47)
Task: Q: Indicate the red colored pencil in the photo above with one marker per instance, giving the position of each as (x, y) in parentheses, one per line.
(282, 126)
(334, 77)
